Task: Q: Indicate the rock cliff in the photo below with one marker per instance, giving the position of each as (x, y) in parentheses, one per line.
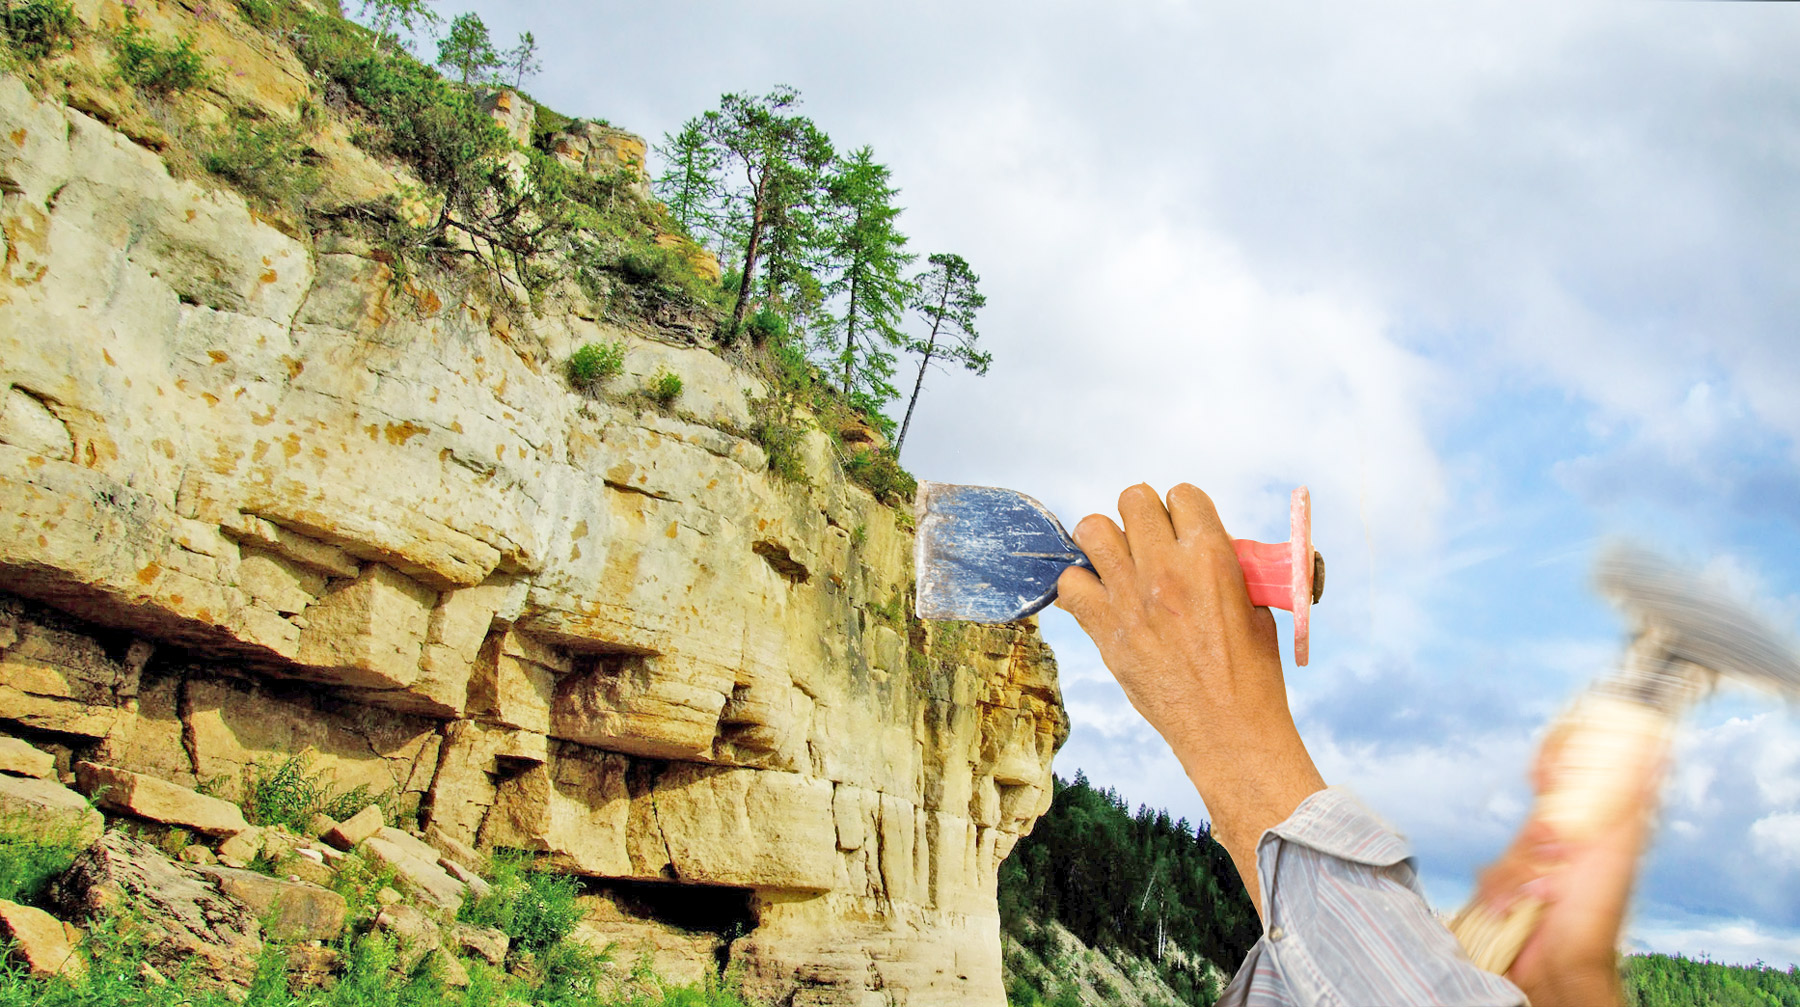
(260, 494)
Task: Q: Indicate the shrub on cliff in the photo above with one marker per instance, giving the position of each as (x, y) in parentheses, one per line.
(154, 66)
(878, 471)
(595, 362)
(664, 386)
(38, 29)
(537, 909)
(264, 159)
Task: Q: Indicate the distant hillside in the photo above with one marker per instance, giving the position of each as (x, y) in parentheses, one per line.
(1134, 886)
(1101, 905)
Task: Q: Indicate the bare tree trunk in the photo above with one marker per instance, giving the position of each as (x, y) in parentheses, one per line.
(900, 441)
(930, 348)
(750, 249)
(850, 333)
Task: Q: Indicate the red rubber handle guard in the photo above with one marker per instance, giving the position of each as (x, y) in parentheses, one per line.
(1280, 574)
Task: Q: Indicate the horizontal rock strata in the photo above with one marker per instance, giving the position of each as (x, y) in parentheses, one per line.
(260, 498)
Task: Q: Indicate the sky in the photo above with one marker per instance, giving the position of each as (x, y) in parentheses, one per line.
(1499, 282)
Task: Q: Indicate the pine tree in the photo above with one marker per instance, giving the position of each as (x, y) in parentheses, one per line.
(947, 296)
(521, 62)
(690, 185)
(780, 155)
(867, 255)
(467, 49)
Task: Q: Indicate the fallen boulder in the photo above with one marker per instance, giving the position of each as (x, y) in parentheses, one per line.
(45, 945)
(179, 914)
(158, 800)
(52, 810)
(415, 865)
(291, 910)
(347, 834)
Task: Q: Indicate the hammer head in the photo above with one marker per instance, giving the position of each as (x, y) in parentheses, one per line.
(1692, 620)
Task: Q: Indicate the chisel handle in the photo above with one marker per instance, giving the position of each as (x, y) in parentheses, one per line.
(1287, 575)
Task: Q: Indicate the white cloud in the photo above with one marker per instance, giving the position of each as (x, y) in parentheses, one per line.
(1732, 939)
(1776, 838)
(1250, 246)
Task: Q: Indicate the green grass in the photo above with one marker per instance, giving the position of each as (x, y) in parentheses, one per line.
(537, 909)
(30, 856)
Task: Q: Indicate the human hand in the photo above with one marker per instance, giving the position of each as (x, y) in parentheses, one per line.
(1584, 886)
(1167, 607)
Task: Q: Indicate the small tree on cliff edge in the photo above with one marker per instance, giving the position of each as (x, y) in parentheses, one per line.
(781, 155)
(867, 253)
(468, 50)
(390, 17)
(521, 61)
(947, 297)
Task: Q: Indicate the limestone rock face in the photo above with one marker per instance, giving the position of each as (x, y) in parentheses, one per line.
(598, 149)
(258, 497)
(512, 111)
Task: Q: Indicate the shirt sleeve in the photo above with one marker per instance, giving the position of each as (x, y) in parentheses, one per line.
(1344, 921)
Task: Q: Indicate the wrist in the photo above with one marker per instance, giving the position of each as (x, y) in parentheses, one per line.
(1251, 786)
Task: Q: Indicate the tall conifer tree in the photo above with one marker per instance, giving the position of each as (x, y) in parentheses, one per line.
(780, 155)
(867, 254)
(468, 49)
(690, 185)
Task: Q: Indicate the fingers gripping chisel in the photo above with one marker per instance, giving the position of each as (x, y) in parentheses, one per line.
(985, 554)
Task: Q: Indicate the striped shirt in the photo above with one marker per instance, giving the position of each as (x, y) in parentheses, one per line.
(1345, 923)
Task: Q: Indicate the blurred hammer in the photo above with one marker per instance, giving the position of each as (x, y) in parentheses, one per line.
(1687, 634)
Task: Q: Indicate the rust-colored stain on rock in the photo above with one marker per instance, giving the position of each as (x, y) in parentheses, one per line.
(148, 574)
(18, 136)
(674, 526)
(218, 356)
(406, 430)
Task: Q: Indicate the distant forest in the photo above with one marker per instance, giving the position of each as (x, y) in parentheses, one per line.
(1164, 890)
(1159, 888)
(1675, 981)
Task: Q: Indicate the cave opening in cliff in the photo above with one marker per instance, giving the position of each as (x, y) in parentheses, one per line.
(717, 909)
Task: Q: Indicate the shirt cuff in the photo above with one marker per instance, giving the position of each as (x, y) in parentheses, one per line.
(1335, 823)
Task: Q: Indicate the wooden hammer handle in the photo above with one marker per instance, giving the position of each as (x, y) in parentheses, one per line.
(1593, 764)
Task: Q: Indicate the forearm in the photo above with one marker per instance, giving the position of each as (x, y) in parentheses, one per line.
(1250, 785)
